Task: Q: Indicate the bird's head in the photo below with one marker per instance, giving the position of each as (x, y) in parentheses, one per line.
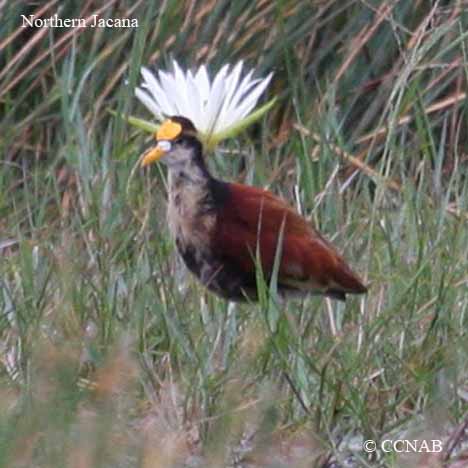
(176, 142)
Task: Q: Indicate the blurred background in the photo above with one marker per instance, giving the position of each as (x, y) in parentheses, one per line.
(111, 355)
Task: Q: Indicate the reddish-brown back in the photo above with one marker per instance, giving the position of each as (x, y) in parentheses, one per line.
(251, 216)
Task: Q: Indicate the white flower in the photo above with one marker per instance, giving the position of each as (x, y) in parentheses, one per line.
(218, 108)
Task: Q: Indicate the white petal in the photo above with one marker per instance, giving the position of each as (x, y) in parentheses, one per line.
(203, 84)
(243, 87)
(182, 98)
(159, 95)
(233, 80)
(195, 100)
(149, 102)
(231, 86)
(169, 87)
(251, 100)
(148, 77)
(238, 99)
(216, 100)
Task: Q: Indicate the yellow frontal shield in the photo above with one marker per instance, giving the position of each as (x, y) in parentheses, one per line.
(168, 131)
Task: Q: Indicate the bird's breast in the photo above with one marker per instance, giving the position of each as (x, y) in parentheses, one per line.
(191, 219)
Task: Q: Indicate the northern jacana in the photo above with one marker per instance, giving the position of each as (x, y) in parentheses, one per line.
(221, 228)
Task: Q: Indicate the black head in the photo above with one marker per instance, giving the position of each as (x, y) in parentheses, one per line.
(177, 143)
(186, 124)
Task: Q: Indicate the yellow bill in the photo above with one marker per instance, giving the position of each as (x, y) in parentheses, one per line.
(156, 153)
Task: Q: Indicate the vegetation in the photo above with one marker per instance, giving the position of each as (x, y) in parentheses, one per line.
(112, 356)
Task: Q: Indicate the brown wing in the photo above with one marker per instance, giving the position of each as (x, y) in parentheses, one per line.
(252, 216)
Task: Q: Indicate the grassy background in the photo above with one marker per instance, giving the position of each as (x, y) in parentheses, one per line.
(110, 355)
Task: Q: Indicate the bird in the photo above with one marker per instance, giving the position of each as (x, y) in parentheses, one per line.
(224, 231)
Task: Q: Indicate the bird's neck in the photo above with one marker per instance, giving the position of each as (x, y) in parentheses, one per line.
(191, 207)
(189, 174)
(192, 172)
